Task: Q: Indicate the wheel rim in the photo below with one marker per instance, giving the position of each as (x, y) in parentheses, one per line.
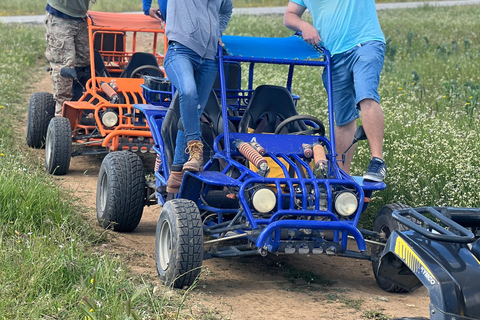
(165, 245)
(48, 147)
(377, 250)
(103, 192)
(384, 228)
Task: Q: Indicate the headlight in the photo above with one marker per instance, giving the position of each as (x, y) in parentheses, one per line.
(264, 200)
(109, 119)
(346, 203)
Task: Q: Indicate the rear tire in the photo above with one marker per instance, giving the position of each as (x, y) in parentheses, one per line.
(385, 223)
(41, 109)
(58, 146)
(179, 243)
(120, 191)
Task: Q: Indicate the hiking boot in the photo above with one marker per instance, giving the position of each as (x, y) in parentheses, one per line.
(195, 162)
(377, 170)
(175, 181)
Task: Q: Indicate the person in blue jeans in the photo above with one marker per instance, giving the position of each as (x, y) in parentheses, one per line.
(350, 30)
(193, 29)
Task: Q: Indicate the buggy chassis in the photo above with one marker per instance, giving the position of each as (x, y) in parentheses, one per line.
(234, 208)
(100, 117)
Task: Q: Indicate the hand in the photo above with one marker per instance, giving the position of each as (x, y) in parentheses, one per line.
(220, 42)
(155, 14)
(310, 34)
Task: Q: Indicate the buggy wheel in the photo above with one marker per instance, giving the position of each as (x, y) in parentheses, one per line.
(179, 243)
(120, 191)
(386, 224)
(41, 109)
(58, 146)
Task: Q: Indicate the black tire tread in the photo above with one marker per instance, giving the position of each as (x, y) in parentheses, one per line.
(189, 253)
(386, 213)
(41, 109)
(126, 194)
(61, 145)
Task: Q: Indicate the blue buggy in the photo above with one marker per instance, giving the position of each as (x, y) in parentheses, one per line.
(272, 184)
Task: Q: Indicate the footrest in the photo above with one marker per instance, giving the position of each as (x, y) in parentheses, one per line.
(370, 185)
(215, 178)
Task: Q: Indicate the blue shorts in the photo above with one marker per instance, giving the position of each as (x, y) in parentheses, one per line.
(355, 77)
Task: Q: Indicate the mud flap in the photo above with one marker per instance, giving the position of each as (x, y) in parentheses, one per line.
(448, 270)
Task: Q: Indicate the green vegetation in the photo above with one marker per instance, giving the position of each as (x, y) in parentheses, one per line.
(50, 264)
(355, 304)
(304, 276)
(374, 315)
(35, 7)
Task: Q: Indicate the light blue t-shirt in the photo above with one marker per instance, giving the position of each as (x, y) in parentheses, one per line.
(343, 24)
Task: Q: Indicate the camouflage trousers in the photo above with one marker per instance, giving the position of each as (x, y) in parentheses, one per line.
(67, 46)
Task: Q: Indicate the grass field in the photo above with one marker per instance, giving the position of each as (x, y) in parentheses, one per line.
(36, 7)
(50, 263)
(50, 267)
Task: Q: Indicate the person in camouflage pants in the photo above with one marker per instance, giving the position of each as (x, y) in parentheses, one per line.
(67, 44)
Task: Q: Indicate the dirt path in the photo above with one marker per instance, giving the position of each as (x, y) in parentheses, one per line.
(254, 287)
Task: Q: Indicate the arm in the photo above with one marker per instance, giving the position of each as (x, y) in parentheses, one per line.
(224, 15)
(150, 11)
(292, 20)
(147, 4)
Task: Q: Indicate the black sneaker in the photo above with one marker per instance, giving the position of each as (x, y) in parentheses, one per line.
(377, 170)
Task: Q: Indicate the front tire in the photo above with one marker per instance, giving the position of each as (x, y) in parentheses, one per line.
(179, 243)
(58, 146)
(387, 224)
(120, 191)
(41, 109)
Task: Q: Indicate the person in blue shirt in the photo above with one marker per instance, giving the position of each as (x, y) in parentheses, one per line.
(159, 13)
(350, 30)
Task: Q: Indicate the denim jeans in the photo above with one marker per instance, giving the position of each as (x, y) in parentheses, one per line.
(193, 77)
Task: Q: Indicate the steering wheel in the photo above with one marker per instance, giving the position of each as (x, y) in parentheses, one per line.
(320, 130)
(145, 67)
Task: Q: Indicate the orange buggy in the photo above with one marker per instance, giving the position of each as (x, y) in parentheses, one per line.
(102, 118)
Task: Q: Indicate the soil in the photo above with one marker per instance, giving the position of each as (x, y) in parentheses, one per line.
(271, 287)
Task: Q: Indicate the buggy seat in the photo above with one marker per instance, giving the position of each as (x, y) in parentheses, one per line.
(268, 106)
(140, 59)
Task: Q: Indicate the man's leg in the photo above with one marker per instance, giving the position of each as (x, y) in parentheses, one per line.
(374, 125)
(367, 65)
(345, 110)
(343, 138)
(82, 50)
(60, 53)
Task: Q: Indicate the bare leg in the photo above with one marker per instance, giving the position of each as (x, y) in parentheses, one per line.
(343, 138)
(374, 125)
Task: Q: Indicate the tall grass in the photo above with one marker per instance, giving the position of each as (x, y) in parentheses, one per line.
(51, 265)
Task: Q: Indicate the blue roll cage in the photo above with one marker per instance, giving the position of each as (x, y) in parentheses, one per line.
(280, 148)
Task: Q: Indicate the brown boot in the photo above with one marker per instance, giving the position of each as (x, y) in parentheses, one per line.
(175, 181)
(195, 162)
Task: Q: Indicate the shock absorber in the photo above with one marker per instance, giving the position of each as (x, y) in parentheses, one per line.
(307, 150)
(261, 150)
(320, 158)
(253, 156)
(111, 93)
